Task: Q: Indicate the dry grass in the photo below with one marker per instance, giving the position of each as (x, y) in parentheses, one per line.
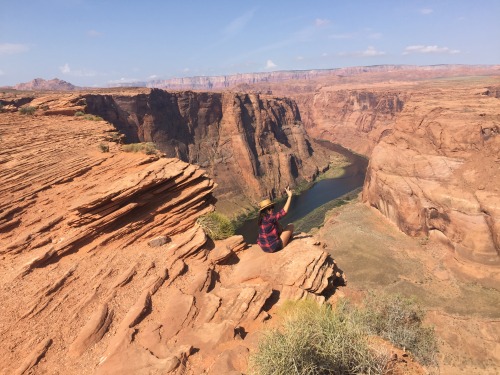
(216, 226)
(147, 148)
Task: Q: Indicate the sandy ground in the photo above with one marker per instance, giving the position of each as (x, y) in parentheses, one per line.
(462, 299)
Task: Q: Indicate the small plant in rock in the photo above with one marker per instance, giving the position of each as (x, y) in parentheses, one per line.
(93, 118)
(1, 107)
(104, 147)
(216, 225)
(79, 113)
(148, 148)
(28, 110)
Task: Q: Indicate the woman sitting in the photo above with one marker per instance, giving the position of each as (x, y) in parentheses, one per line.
(271, 236)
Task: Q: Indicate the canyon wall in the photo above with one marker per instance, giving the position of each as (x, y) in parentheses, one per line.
(253, 145)
(104, 269)
(437, 172)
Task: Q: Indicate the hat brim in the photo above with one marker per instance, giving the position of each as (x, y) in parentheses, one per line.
(266, 206)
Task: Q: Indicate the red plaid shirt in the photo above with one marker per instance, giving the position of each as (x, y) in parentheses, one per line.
(269, 228)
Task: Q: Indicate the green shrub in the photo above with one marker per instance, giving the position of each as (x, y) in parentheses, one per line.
(79, 113)
(92, 118)
(1, 107)
(399, 320)
(216, 225)
(317, 339)
(28, 110)
(104, 147)
(149, 148)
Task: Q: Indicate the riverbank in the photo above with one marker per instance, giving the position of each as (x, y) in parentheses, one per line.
(375, 255)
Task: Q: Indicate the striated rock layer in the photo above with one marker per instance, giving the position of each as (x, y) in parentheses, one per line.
(103, 269)
(437, 172)
(254, 145)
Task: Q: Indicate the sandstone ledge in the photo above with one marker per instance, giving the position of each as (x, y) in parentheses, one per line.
(84, 291)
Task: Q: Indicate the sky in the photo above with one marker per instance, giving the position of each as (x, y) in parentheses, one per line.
(104, 42)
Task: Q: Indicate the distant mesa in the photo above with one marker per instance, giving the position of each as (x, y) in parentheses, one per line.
(40, 84)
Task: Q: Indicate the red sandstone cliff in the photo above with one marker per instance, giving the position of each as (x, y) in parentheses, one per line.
(254, 145)
(39, 84)
(104, 270)
(437, 172)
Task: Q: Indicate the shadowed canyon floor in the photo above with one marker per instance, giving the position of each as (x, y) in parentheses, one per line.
(462, 299)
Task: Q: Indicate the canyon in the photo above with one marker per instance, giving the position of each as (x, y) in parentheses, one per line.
(106, 240)
(254, 145)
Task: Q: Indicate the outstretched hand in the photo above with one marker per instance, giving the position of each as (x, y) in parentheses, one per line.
(289, 192)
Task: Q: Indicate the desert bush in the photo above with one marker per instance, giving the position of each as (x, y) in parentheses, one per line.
(315, 339)
(149, 148)
(400, 320)
(92, 118)
(1, 107)
(216, 225)
(104, 147)
(28, 110)
(79, 113)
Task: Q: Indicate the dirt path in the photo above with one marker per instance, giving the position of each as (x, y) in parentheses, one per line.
(462, 300)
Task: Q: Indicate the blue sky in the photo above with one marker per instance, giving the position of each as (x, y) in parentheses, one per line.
(99, 42)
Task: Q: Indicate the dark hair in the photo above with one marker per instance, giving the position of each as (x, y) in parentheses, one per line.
(264, 213)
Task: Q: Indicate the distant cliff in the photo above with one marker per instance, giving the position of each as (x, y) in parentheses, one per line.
(230, 81)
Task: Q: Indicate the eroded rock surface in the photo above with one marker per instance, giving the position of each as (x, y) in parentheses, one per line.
(253, 145)
(82, 288)
(437, 173)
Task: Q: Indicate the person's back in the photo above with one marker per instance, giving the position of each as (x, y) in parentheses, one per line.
(271, 238)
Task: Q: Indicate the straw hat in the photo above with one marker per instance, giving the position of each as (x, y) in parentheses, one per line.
(265, 204)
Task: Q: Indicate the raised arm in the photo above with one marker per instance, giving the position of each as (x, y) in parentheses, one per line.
(289, 199)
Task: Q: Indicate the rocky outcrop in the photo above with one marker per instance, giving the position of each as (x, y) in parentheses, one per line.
(436, 174)
(254, 145)
(104, 269)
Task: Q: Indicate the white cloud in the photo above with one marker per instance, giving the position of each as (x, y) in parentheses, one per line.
(299, 58)
(2, 72)
(429, 49)
(12, 48)
(153, 76)
(185, 70)
(324, 54)
(94, 33)
(270, 64)
(369, 52)
(123, 80)
(239, 23)
(319, 22)
(65, 69)
(426, 11)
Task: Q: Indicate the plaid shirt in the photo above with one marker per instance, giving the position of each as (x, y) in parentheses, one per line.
(269, 238)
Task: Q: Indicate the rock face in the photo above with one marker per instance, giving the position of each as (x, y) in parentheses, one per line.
(254, 145)
(437, 172)
(82, 288)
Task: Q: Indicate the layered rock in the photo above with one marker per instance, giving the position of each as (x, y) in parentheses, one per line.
(279, 77)
(437, 172)
(104, 269)
(254, 145)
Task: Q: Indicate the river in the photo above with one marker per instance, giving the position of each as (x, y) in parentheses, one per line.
(308, 209)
